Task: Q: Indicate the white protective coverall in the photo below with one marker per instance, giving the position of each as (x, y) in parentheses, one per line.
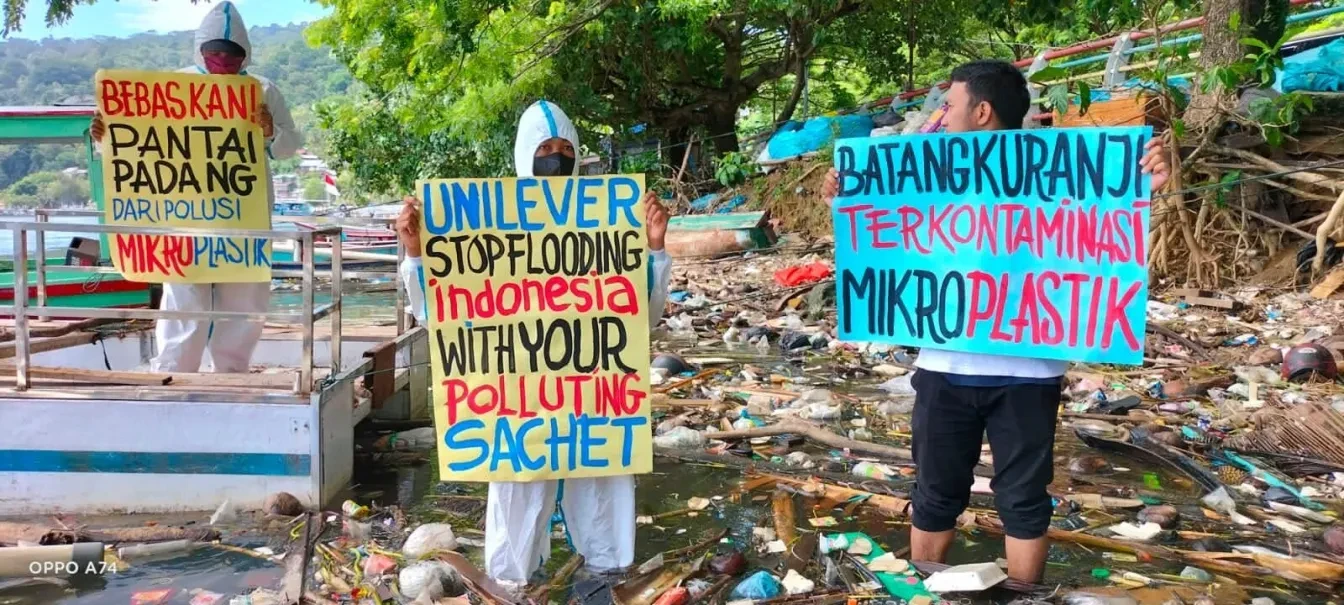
(599, 513)
(182, 344)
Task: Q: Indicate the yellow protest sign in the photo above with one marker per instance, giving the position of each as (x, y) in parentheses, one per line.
(537, 298)
(184, 150)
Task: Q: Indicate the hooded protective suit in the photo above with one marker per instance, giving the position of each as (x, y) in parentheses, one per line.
(599, 513)
(182, 344)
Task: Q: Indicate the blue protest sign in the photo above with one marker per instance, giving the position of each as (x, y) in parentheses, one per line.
(1027, 242)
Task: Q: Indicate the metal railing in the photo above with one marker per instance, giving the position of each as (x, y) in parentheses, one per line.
(306, 318)
(44, 214)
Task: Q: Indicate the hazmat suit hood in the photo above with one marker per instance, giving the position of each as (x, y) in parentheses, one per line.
(222, 23)
(543, 120)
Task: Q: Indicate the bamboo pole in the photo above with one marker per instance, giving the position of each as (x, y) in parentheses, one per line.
(819, 435)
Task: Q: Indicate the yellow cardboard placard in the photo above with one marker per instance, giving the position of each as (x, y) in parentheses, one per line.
(184, 150)
(537, 298)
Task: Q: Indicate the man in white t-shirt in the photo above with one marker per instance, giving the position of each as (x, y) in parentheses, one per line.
(962, 397)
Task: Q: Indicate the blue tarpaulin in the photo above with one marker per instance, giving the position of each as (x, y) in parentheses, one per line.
(796, 138)
(705, 202)
(1320, 69)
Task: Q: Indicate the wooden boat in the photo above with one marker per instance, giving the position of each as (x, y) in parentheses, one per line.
(85, 439)
(67, 125)
(80, 290)
(292, 209)
(709, 235)
(356, 235)
(89, 431)
(362, 247)
(66, 289)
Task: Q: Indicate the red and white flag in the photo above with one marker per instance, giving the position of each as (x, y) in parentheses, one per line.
(329, 179)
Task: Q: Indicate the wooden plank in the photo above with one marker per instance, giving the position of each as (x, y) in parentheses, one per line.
(296, 560)
(363, 333)
(98, 376)
(1332, 282)
(380, 380)
(64, 389)
(269, 381)
(50, 344)
(284, 380)
(1131, 111)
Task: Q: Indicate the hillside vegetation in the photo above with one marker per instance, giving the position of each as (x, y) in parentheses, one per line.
(60, 71)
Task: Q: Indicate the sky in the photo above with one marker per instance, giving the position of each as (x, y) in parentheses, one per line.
(127, 17)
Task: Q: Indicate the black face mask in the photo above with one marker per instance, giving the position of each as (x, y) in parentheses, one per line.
(556, 164)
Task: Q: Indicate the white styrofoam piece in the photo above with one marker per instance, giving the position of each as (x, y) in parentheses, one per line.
(972, 577)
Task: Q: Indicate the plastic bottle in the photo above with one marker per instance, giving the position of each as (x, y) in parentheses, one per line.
(155, 550)
(354, 510)
(423, 438)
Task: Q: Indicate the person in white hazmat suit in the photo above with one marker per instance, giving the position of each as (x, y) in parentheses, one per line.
(222, 48)
(598, 513)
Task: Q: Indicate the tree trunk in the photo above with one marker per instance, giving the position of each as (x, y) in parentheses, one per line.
(721, 122)
(681, 145)
(1263, 19)
(799, 85)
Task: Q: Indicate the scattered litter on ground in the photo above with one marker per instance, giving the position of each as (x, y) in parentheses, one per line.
(1214, 473)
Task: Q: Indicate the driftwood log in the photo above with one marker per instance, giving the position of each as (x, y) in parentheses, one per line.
(293, 585)
(12, 533)
(818, 435)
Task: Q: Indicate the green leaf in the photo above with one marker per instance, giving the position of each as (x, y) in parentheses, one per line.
(1274, 137)
(1179, 97)
(1256, 43)
(1059, 98)
(1178, 127)
(1048, 74)
(1234, 21)
(1084, 98)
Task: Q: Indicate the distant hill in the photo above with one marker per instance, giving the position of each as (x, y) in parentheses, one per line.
(60, 70)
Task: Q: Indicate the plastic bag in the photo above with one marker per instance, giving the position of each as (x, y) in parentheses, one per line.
(436, 578)
(377, 565)
(680, 438)
(899, 385)
(428, 538)
(795, 584)
(758, 587)
(872, 471)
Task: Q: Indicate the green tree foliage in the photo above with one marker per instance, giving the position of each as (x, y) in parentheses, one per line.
(60, 70)
(313, 187)
(461, 72)
(47, 190)
(385, 153)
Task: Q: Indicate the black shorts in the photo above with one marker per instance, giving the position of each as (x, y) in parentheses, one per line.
(949, 424)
